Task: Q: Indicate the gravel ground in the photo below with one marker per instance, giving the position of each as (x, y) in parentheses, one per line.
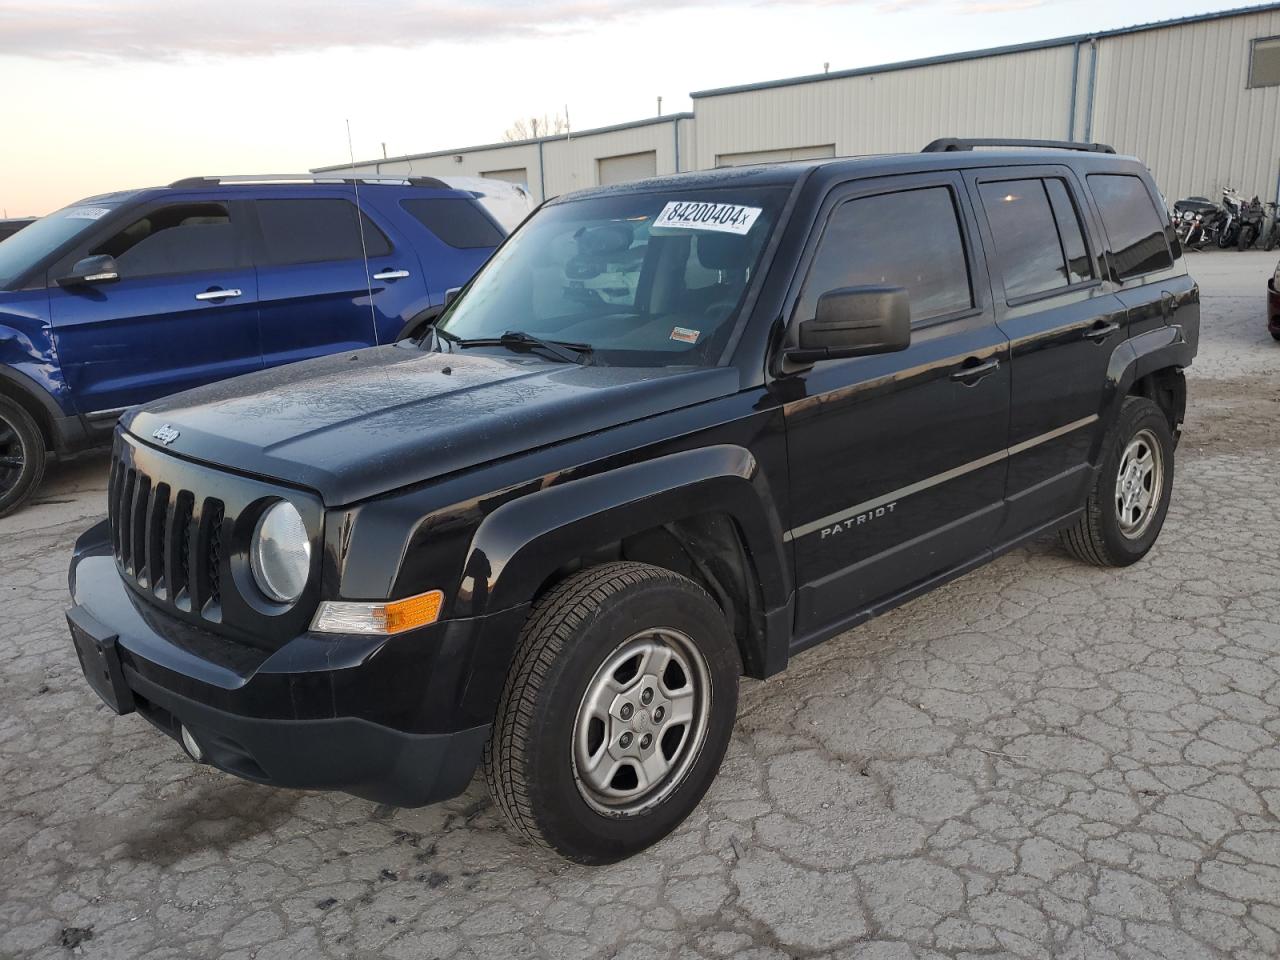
(1039, 760)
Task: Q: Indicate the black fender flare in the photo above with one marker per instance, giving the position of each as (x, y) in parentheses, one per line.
(1160, 349)
(524, 541)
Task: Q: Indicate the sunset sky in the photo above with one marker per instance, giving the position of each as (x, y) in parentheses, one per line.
(103, 96)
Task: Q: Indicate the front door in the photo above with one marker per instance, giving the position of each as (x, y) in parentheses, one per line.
(182, 314)
(898, 460)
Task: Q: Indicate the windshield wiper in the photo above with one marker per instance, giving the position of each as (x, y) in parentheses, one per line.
(561, 349)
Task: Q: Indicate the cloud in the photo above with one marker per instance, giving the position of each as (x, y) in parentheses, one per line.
(183, 29)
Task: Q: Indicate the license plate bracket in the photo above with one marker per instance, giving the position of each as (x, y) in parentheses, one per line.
(96, 647)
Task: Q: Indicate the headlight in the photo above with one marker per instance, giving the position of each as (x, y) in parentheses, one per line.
(281, 553)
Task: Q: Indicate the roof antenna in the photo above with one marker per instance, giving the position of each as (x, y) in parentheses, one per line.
(364, 249)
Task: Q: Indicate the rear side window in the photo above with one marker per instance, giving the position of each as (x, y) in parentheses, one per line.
(1039, 244)
(456, 221)
(910, 239)
(180, 238)
(316, 230)
(1134, 226)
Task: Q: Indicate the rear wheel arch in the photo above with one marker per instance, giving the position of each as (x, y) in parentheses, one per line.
(1167, 389)
(416, 326)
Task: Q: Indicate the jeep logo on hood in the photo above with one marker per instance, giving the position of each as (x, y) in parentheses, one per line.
(166, 434)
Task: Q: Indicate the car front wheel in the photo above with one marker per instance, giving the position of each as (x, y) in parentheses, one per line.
(616, 714)
(22, 456)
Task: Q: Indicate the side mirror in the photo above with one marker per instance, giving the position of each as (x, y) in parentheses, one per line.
(451, 295)
(90, 270)
(855, 322)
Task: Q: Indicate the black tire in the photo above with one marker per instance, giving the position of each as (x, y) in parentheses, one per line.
(1272, 237)
(1275, 334)
(22, 456)
(571, 633)
(1246, 239)
(1098, 536)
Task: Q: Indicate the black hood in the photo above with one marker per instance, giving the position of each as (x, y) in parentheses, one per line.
(354, 425)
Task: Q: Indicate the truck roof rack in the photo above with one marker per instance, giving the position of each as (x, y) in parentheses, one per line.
(307, 178)
(951, 144)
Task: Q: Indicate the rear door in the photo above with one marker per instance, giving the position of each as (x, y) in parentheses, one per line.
(317, 293)
(1063, 321)
(182, 314)
(897, 460)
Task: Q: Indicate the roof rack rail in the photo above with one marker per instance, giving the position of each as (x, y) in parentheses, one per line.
(308, 178)
(950, 144)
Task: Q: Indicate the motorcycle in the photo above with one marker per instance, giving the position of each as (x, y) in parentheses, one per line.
(1250, 229)
(1229, 221)
(1193, 219)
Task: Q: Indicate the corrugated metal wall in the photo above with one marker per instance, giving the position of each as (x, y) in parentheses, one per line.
(1176, 96)
(896, 111)
(1179, 99)
(571, 163)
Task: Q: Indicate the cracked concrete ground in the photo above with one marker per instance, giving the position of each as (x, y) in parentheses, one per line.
(1040, 760)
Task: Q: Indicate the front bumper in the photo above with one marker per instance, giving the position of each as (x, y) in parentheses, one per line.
(399, 720)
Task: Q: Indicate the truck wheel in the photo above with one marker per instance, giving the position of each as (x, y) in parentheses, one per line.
(616, 714)
(1130, 497)
(22, 456)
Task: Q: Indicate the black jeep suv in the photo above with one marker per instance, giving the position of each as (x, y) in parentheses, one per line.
(674, 432)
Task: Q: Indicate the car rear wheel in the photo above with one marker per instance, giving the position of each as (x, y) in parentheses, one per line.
(1130, 497)
(22, 456)
(616, 714)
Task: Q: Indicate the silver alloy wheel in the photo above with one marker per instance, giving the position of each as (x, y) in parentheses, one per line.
(1139, 484)
(642, 722)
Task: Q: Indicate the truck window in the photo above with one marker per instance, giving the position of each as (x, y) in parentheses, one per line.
(1039, 243)
(1134, 226)
(910, 239)
(455, 221)
(316, 230)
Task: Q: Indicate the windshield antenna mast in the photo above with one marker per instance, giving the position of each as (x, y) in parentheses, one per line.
(364, 249)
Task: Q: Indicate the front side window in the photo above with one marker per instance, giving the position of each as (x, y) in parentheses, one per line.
(644, 279)
(21, 252)
(316, 230)
(909, 239)
(1039, 243)
(180, 238)
(1135, 228)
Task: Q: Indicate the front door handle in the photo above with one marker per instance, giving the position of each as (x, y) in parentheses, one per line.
(219, 294)
(974, 370)
(391, 275)
(1101, 330)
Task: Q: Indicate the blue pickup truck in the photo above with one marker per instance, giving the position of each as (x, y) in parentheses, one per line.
(126, 297)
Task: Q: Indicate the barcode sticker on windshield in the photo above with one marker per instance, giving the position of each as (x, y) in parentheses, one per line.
(88, 213)
(692, 215)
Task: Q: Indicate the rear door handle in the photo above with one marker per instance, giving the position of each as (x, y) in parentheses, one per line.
(391, 275)
(220, 294)
(1101, 330)
(972, 371)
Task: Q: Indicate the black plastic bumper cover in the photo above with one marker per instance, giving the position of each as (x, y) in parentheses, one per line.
(398, 720)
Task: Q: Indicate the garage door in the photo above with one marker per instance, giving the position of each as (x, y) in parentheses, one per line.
(774, 156)
(518, 175)
(630, 166)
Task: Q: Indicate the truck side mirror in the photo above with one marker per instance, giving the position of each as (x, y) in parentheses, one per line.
(855, 322)
(91, 270)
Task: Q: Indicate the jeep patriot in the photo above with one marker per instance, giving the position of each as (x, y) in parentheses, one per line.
(673, 433)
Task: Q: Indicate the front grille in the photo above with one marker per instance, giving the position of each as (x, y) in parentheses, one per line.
(168, 542)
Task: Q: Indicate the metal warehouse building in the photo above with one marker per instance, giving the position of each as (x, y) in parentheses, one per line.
(1197, 98)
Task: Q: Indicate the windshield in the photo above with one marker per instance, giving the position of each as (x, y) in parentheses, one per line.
(651, 279)
(29, 246)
